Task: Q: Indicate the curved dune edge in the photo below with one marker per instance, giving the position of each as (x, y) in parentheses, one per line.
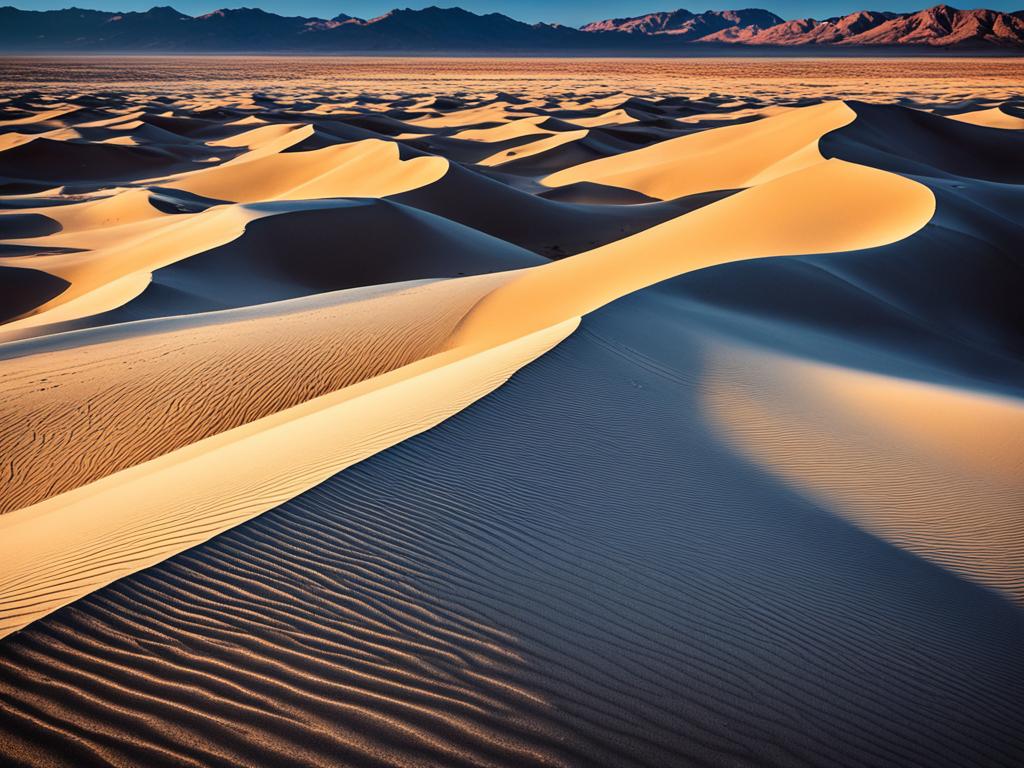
(535, 147)
(120, 239)
(731, 157)
(112, 208)
(119, 264)
(513, 129)
(136, 391)
(368, 168)
(994, 117)
(875, 448)
(828, 207)
(813, 206)
(57, 551)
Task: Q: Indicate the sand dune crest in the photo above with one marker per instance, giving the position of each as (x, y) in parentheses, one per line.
(591, 415)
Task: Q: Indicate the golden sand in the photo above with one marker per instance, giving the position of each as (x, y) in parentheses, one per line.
(127, 442)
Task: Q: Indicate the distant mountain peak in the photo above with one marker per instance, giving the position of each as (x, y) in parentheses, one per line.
(455, 30)
(686, 25)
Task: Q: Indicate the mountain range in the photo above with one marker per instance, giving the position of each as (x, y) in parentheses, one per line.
(940, 28)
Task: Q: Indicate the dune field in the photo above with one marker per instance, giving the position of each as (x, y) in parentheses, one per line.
(515, 412)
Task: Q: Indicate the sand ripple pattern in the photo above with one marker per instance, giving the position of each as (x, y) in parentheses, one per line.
(721, 524)
(469, 598)
(173, 388)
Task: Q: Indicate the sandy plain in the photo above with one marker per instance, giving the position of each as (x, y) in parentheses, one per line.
(380, 411)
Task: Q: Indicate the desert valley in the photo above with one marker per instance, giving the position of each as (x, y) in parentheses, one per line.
(511, 412)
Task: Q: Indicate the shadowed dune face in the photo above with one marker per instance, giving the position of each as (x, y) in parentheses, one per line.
(27, 289)
(760, 506)
(471, 597)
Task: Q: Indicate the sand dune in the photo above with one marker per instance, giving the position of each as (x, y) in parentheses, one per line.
(555, 229)
(993, 117)
(507, 420)
(429, 605)
(147, 409)
(233, 476)
(536, 147)
(914, 142)
(732, 157)
(875, 448)
(48, 160)
(113, 208)
(287, 252)
(371, 168)
(839, 198)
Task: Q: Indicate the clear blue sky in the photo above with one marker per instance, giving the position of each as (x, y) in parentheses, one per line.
(572, 12)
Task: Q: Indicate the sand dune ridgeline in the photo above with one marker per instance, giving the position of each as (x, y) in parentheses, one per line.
(561, 419)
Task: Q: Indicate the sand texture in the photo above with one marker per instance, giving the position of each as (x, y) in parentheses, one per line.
(511, 413)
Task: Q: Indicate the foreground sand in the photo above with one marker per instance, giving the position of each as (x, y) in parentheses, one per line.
(766, 512)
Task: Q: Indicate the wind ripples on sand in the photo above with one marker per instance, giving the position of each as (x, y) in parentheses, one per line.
(468, 598)
(752, 512)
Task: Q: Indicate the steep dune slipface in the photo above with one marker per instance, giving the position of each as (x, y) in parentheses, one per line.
(24, 289)
(47, 161)
(910, 141)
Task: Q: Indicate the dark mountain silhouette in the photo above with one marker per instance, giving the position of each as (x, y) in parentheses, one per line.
(457, 30)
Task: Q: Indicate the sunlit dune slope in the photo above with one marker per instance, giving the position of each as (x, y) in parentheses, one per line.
(58, 550)
(936, 470)
(286, 251)
(271, 283)
(994, 117)
(728, 158)
(371, 168)
(573, 571)
(829, 206)
(128, 400)
(589, 416)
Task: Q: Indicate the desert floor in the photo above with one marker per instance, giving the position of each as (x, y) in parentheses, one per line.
(517, 412)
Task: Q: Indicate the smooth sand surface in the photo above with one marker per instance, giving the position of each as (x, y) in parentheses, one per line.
(994, 117)
(875, 448)
(761, 508)
(363, 169)
(732, 157)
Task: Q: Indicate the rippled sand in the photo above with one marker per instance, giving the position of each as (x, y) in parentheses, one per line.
(562, 412)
